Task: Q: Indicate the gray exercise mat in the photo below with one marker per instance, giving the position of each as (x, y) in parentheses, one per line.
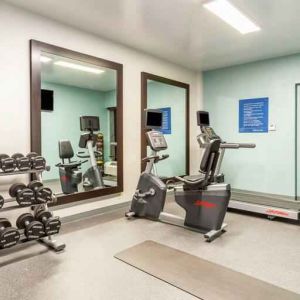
(198, 277)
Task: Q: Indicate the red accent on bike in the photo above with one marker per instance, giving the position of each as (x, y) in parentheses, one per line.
(205, 204)
(276, 212)
(64, 178)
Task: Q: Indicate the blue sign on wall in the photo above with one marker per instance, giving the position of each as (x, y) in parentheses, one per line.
(166, 127)
(254, 115)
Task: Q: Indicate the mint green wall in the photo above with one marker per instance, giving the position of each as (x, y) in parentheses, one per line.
(270, 167)
(163, 95)
(63, 123)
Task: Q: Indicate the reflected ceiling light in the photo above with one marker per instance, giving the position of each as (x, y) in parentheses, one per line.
(78, 67)
(231, 15)
(45, 59)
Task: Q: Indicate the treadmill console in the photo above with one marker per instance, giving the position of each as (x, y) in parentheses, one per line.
(203, 122)
(209, 132)
(156, 140)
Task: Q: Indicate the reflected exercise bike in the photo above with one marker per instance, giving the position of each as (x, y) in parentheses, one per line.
(70, 172)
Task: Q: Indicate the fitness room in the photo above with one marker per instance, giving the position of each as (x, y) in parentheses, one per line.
(150, 150)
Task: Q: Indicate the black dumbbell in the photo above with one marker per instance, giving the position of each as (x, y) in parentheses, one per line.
(23, 194)
(1, 201)
(9, 236)
(42, 194)
(22, 163)
(33, 229)
(51, 224)
(7, 164)
(37, 162)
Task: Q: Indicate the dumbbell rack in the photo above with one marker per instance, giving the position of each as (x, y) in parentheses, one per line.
(48, 240)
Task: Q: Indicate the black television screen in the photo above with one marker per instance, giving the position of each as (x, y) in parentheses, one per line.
(202, 118)
(47, 100)
(154, 119)
(88, 123)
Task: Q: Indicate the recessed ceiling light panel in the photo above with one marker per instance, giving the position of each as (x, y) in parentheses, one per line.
(78, 67)
(231, 15)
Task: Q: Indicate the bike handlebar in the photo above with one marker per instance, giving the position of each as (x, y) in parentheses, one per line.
(87, 155)
(164, 156)
(190, 182)
(150, 157)
(156, 157)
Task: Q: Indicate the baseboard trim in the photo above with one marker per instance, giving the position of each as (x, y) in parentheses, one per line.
(95, 212)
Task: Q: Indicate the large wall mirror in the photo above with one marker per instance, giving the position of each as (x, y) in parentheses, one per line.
(76, 121)
(172, 98)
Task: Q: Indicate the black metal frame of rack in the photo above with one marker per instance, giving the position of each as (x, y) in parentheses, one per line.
(47, 240)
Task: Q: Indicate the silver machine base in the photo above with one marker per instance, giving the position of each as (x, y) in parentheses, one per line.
(270, 211)
(179, 221)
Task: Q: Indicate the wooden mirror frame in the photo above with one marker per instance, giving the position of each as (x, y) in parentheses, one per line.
(36, 48)
(144, 101)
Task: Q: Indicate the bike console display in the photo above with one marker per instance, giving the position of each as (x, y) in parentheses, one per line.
(153, 118)
(156, 140)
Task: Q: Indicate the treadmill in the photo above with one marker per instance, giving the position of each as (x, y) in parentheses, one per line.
(270, 205)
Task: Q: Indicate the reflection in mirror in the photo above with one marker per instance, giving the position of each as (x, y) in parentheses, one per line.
(171, 100)
(78, 124)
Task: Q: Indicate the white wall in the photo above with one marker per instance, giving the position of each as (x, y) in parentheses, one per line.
(17, 27)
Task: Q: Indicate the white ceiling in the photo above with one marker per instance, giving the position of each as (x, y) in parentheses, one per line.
(105, 81)
(182, 31)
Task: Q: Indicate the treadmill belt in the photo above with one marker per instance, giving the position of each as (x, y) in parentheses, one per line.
(198, 277)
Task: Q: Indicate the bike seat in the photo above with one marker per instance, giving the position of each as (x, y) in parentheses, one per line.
(194, 178)
(69, 165)
(193, 181)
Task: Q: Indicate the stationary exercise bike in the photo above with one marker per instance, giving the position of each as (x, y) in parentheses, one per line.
(69, 171)
(204, 201)
(92, 178)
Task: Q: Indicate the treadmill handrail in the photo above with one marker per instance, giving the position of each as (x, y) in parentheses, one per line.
(237, 145)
